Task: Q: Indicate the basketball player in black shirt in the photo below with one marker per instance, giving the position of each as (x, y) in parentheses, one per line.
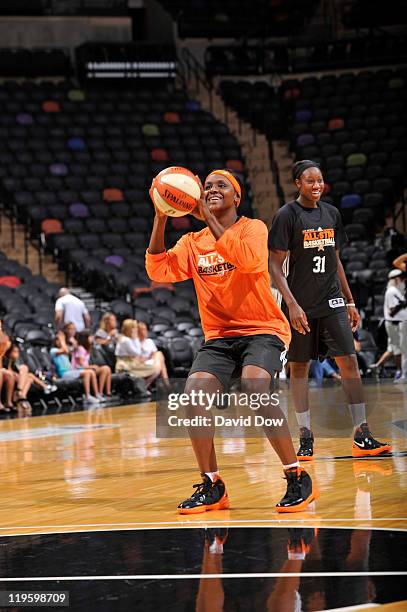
(304, 241)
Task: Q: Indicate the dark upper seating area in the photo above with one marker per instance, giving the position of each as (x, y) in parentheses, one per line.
(76, 167)
(248, 58)
(367, 13)
(232, 18)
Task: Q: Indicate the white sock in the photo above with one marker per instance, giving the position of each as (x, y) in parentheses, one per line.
(304, 419)
(291, 465)
(358, 414)
(212, 475)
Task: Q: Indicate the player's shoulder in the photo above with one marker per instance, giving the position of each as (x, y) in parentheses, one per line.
(329, 208)
(287, 211)
(252, 224)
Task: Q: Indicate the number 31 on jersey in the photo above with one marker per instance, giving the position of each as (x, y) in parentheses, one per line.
(319, 264)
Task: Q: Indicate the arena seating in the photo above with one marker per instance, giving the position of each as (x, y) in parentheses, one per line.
(76, 168)
(350, 124)
(27, 305)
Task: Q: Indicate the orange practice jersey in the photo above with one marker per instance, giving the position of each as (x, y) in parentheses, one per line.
(231, 279)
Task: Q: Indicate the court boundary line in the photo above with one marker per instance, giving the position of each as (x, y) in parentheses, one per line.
(203, 525)
(300, 519)
(205, 576)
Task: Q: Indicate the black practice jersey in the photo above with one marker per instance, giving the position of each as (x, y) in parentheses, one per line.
(312, 236)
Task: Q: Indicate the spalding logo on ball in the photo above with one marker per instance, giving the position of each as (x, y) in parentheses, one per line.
(175, 191)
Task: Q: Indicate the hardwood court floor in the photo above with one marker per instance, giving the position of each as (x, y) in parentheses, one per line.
(105, 469)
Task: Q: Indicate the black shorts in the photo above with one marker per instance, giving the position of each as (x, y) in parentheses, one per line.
(225, 357)
(330, 336)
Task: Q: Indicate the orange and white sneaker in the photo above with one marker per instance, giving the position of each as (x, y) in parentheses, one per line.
(208, 496)
(300, 491)
(364, 444)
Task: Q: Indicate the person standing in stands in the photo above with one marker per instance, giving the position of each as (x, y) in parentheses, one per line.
(243, 326)
(70, 309)
(304, 241)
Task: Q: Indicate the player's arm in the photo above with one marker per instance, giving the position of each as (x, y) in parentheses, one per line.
(247, 251)
(298, 318)
(401, 262)
(163, 266)
(353, 314)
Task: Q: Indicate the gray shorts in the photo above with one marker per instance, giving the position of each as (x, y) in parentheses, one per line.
(393, 330)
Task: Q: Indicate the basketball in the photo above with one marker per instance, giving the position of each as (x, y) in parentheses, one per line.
(175, 191)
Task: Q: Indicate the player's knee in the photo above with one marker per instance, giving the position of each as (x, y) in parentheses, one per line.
(299, 369)
(251, 386)
(348, 363)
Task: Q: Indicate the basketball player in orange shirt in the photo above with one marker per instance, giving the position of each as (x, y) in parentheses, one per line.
(243, 326)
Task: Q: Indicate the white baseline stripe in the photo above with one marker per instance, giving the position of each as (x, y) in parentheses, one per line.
(317, 520)
(205, 576)
(368, 606)
(198, 525)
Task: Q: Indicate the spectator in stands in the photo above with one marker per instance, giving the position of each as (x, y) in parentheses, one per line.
(107, 334)
(128, 354)
(63, 368)
(24, 379)
(321, 369)
(69, 330)
(106, 338)
(150, 354)
(395, 320)
(70, 309)
(5, 376)
(81, 360)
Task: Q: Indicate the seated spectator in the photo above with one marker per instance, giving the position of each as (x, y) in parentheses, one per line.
(23, 377)
(106, 338)
(107, 334)
(5, 376)
(150, 354)
(64, 370)
(319, 369)
(80, 361)
(128, 354)
(69, 330)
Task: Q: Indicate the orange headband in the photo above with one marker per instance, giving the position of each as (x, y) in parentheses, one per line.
(231, 178)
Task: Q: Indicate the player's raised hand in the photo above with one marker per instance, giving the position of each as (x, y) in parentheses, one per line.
(158, 213)
(198, 210)
(298, 319)
(354, 317)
